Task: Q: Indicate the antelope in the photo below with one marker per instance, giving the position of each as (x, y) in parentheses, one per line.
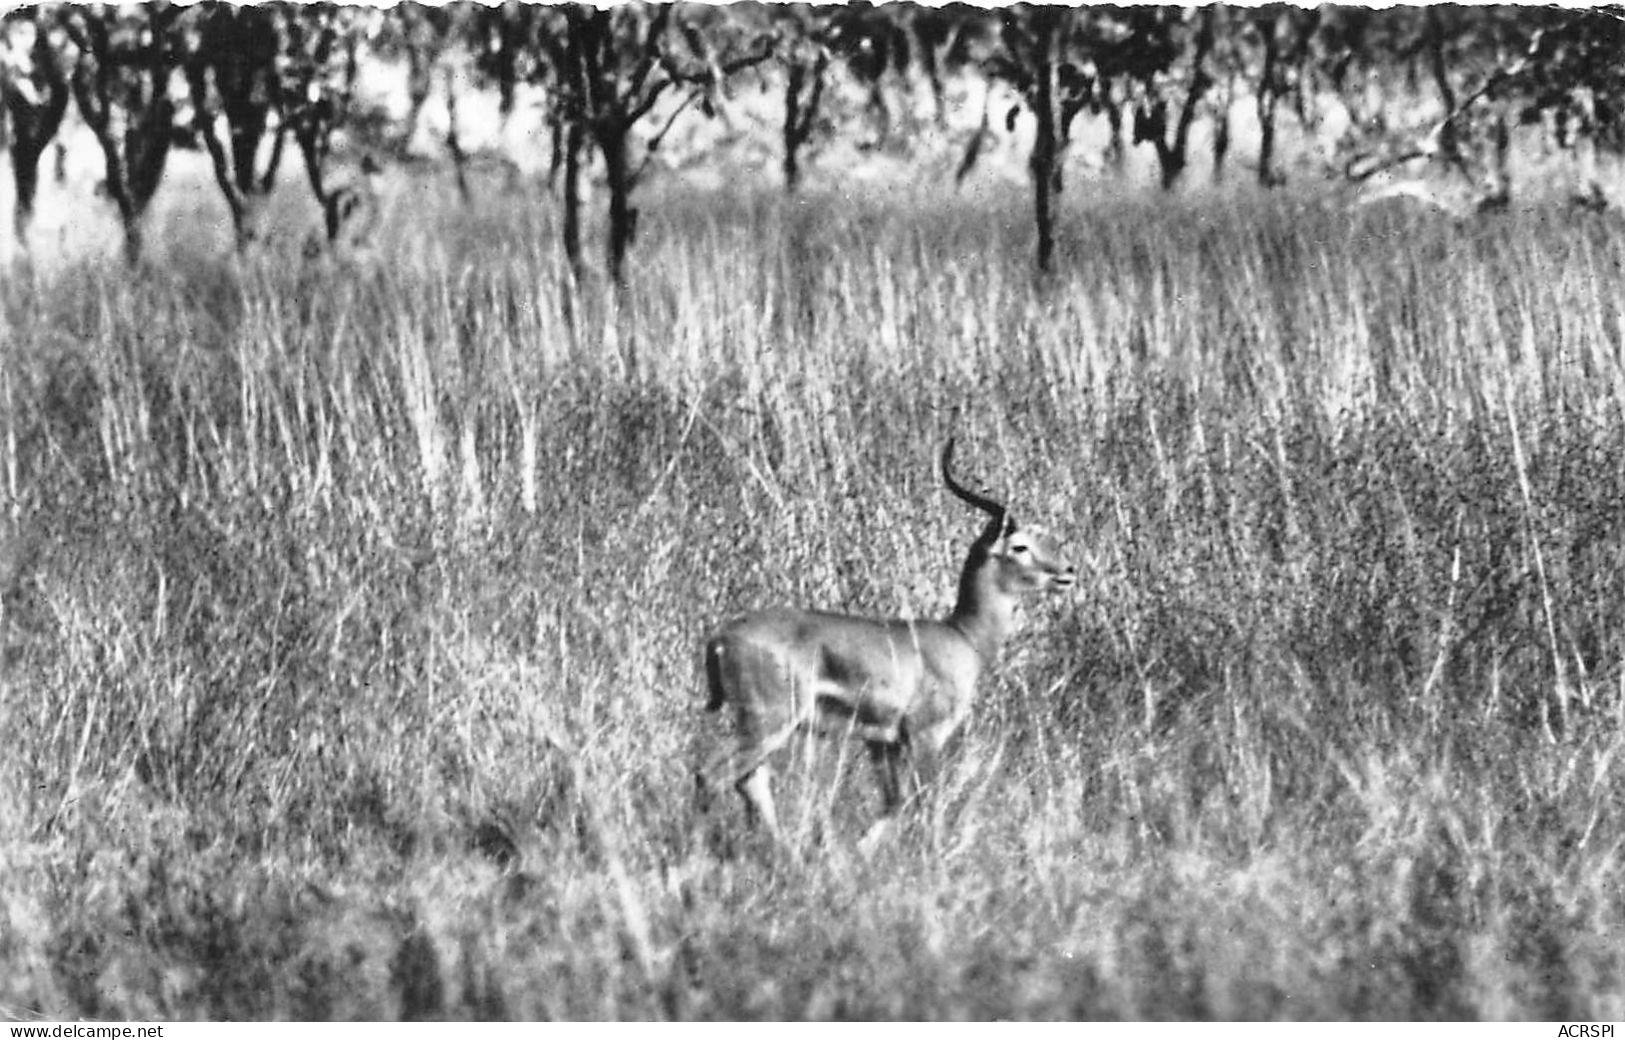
(902, 686)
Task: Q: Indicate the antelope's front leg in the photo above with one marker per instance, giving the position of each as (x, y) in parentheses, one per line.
(925, 757)
(887, 757)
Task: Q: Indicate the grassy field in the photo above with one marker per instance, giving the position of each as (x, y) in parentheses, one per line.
(326, 588)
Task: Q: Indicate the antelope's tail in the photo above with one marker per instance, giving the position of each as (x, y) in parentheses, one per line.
(713, 675)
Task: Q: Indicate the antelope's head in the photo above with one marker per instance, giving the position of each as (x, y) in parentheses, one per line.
(1015, 558)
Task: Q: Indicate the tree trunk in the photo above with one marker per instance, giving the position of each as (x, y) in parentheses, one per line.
(314, 154)
(247, 131)
(618, 180)
(1499, 186)
(419, 82)
(131, 181)
(233, 173)
(934, 58)
(34, 118)
(1173, 167)
(1449, 143)
(1045, 167)
(511, 40)
(1115, 151)
(1050, 140)
(236, 200)
(557, 137)
(1173, 155)
(32, 128)
(801, 101)
(1267, 176)
(792, 122)
(1268, 94)
(571, 158)
(135, 237)
(25, 170)
(1043, 208)
(454, 141)
(939, 92)
(880, 109)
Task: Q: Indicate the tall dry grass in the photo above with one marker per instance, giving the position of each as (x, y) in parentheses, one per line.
(328, 588)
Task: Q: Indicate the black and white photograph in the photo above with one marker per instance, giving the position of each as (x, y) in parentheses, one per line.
(883, 512)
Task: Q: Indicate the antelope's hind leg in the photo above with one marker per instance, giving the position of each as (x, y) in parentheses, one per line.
(762, 688)
(756, 787)
(887, 757)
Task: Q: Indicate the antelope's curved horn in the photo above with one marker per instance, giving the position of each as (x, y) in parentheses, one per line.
(994, 510)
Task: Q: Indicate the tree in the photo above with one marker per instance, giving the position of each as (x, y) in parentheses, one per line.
(1283, 34)
(317, 71)
(423, 34)
(1484, 66)
(946, 39)
(271, 72)
(34, 92)
(1573, 80)
(1229, 62)
(1166, 55)
(875, 46)
(126, 57)
(507, 51)
(1046, 54)
(437, 43)
(1039, 60)
(610, 66)
(500, 40)
(231, 73)
(804, 36)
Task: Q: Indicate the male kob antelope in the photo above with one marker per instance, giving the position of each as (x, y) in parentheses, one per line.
(901, 686)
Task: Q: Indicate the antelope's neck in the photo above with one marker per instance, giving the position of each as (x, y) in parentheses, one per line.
(983, 615)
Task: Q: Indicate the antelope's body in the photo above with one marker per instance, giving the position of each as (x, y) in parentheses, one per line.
(898, 685)
(882, 679)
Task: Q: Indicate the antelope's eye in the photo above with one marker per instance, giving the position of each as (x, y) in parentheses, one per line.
(1018, 549)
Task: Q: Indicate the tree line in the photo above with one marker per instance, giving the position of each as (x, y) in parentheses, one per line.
(255, 85)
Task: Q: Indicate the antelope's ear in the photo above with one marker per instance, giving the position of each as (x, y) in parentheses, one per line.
(1009, 526)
